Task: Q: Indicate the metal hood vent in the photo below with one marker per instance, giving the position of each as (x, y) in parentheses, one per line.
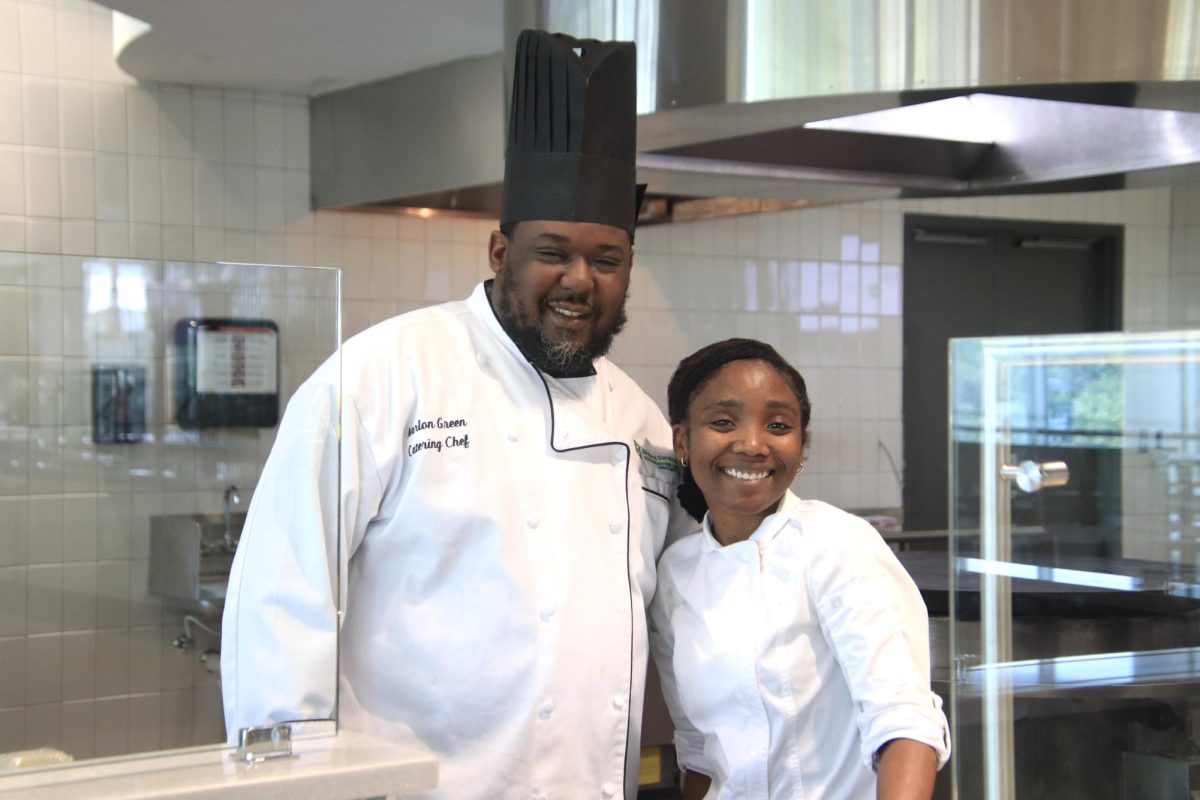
(797, 101)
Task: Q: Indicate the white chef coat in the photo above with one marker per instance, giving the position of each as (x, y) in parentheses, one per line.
(496, 555)
(789, 659)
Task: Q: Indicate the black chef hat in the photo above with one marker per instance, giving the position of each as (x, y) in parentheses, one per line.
(572, 132)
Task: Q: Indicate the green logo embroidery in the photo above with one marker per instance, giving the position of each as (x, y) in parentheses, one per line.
(662, 462)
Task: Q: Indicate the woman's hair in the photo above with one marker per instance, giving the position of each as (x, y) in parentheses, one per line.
(695, 371)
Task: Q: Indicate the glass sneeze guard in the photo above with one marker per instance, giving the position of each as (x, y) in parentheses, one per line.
(138, 403)
(1075, 565)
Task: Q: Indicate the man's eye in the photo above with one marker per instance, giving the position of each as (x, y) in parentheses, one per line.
(551, 255)
(721, 423)
(607, 264)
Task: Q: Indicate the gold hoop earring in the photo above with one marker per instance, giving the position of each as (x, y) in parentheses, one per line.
(801, 468)
(683, 462)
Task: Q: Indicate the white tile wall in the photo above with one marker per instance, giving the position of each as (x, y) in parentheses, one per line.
(95, 165)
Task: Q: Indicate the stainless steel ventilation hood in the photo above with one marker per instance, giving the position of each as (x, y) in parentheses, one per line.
(810, 101)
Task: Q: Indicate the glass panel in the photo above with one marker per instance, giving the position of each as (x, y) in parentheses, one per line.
(138, 400)
(1075, 547)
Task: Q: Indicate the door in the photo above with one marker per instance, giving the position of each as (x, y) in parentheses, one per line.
(973, 278)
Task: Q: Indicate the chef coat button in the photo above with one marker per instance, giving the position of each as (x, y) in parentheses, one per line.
(533, 520)
(513, 436)
(615, 526)
(548, 613)
(619, 702)
(837, 602)
(546, 710)
(482, 359)
(607, 790)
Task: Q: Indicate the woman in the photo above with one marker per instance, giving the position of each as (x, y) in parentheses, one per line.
(792, 645)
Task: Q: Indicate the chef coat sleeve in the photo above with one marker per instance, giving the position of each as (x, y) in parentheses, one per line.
(873, 617)
(279, 634)
(689, 742)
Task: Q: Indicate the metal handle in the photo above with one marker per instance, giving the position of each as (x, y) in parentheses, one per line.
(1031, 476)
(267, 741)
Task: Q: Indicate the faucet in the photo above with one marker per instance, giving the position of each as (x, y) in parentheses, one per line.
(232, 498)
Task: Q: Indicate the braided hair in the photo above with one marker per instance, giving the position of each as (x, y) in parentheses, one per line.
(697, 369)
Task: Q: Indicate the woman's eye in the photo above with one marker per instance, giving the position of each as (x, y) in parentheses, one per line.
(721, 423)
(779, 427)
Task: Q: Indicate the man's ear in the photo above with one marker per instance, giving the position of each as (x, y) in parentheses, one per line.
(497, 247)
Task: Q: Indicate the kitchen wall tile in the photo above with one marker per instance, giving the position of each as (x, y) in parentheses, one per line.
(112, 662)
(145, 189)
(14, 601)
(78, 175)
(12, 120)
(43, 234)
(268, 199)
(145, 241)
(175, 122)
(12, 180)
(80, 524)
(239, 182)
(46, 388)
(10, 37)
(43, 725)
(110, 117)
(79, 597)
(46, 461)
(144, 722)
(75, 115)
(112, 508)
(176, 191)
(238, 119)
(112, 594)
(112, 726)
(112, 187)
(45, 310)
(72, 29)
(12, 667)
(112, 239)
(141, 115)
(37, 39)
(175, 728)
(269, 123)
(78, 731)
(43, 591)
(42, 183)
(14, 533)
(43, 669)
(78, 665)
(296, 133)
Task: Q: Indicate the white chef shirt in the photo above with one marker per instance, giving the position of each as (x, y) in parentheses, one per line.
(469, 563)
(790, 658)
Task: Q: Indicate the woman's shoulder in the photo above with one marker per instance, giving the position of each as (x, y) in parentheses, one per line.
(832, 526)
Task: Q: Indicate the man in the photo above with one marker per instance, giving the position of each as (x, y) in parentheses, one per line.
(504, 489)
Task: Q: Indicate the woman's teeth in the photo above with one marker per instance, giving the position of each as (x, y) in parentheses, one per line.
(745, 476)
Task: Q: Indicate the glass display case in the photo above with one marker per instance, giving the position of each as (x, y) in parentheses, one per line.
(1075, 547)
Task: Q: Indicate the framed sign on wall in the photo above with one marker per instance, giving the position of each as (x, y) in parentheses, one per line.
(226, 372)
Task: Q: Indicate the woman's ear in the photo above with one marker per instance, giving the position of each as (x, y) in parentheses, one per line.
(680, 438)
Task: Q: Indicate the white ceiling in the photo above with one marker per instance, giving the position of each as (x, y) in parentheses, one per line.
(303, 46)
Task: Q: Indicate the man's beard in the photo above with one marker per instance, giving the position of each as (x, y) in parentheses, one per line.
(562, 358)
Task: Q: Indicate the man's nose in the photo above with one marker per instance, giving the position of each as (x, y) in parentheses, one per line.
(577, 275)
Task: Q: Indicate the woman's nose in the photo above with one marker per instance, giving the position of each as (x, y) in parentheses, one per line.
(750, 442)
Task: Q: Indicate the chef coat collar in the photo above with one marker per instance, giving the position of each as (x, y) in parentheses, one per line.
(766, 531)
(482, 306)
